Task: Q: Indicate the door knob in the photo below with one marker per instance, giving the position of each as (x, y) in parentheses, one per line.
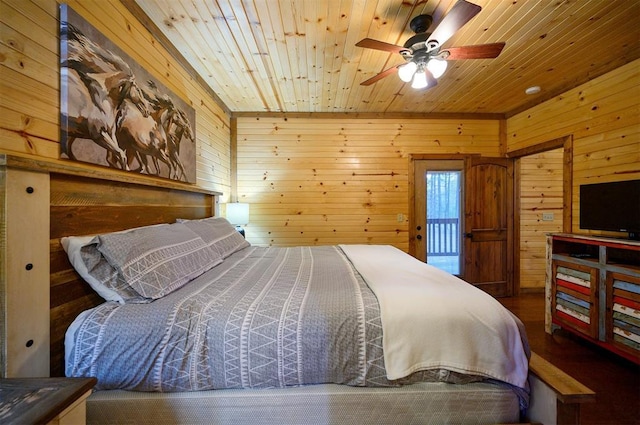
(468, 235)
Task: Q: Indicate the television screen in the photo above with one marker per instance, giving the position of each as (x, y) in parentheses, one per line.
(611, 206)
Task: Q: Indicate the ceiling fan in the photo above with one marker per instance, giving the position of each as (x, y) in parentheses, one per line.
(425, 58)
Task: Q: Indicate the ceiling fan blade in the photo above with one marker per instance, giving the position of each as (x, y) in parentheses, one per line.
(461, 13)
(379, 76)
(481, 51)
(370, 43)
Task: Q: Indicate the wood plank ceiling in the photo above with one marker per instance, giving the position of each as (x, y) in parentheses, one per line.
(300, 55)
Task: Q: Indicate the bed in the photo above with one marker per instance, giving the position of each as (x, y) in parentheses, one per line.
(87, 203)
(194, 307)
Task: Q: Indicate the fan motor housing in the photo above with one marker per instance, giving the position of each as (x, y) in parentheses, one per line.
(420, 24)
(421, 41)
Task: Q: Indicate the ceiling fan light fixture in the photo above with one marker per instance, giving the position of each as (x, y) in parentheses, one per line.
(406, 71)
(437, 67)
(425, 60)
(419, 80)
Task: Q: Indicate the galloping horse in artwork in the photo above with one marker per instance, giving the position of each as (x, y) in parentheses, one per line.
(176, 126)
(140, 136)
(99, 84)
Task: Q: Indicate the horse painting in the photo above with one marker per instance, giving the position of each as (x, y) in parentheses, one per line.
(114, 116)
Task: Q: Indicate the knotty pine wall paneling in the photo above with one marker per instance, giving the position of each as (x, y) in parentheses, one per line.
(327, 179)
(540, 194)
(603, 116)
(30, 83)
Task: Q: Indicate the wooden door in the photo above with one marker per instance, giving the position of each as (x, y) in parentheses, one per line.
(488, 260)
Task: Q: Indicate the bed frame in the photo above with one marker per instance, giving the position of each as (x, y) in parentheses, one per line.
(47, 200)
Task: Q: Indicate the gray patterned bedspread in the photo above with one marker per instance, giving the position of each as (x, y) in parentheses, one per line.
(265, 317)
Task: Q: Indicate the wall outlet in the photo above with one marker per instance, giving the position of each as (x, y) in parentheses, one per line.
(400, 218)
(548, 216)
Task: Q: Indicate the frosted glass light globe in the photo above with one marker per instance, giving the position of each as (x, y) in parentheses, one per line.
(437, 67)
(406, 71)
(419, 80)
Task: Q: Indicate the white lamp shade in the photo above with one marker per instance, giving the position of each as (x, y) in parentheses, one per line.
(437, 67)
(406, 71)
(419, 80)
(238, 213)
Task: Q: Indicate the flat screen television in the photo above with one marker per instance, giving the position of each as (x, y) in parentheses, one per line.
(611, 206)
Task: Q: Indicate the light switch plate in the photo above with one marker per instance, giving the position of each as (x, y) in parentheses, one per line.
(548, 216)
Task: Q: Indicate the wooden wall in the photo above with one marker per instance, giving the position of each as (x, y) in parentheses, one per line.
(322, 179)
(327, 179)
(30, 84)
(540, 193)
(603, 117)
(310, 179)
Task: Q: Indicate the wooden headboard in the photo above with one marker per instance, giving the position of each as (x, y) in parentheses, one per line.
(87, 206)
(80, 200)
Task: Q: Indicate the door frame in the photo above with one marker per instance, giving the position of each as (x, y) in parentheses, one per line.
(565, 142)
(412, 190)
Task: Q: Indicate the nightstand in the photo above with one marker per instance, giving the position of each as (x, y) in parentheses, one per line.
(59, 401)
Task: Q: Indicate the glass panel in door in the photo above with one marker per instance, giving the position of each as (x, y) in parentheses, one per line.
(443, 231)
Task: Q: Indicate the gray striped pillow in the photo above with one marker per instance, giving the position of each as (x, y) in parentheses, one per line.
(157, 260)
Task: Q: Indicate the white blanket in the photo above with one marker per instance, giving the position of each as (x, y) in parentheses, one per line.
(432, 319)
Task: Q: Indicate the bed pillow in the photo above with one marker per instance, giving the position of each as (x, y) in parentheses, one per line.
(157, 260)
(97, 272)
(218, 233)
